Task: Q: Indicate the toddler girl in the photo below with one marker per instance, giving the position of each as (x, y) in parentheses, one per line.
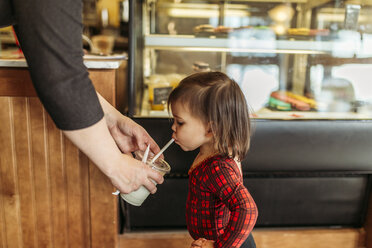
(210, 113)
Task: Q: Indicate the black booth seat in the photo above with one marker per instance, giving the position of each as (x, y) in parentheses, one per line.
(311, 146)
(300, 173)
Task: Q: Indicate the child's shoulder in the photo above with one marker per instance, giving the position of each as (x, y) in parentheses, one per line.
(221, 166)
(220, 162)
(221, 159)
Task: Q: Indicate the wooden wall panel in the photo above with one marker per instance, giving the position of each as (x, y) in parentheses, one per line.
(86, 220)
(2, 210)
(11, 234)
(19, 77)
(25, 179)
(44, 200)
(2, 218)
(41, 173)
(103, 219)
(58, 182)
(75, 192)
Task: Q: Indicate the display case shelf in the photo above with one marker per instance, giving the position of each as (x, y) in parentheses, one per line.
(339, 48)
(192, 43)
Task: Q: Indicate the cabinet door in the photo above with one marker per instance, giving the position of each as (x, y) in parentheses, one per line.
(51, 194)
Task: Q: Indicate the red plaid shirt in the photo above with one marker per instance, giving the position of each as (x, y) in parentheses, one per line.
(218, 205)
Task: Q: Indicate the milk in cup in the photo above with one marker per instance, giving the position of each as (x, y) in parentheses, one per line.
(137, 197)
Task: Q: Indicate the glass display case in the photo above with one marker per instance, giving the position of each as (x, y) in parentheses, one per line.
(295, 59)
(304, 67)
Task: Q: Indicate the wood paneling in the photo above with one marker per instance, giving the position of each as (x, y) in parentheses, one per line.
(51, 194)
(44, 183)
(41, 173)
(59, 194)
(10, 204)
(16, 82)
(104, 205)
(22, 134)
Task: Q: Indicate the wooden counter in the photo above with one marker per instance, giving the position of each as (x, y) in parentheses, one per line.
(51, 194)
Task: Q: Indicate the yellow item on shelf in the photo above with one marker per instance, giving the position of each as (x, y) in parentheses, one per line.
(6, 29)
(298, 31)
(304, 99)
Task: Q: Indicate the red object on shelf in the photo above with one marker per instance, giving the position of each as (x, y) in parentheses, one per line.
(19, 51)
(296, 115)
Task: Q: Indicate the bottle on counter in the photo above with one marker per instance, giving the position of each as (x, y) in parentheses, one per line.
(159, 90)
(160, 86)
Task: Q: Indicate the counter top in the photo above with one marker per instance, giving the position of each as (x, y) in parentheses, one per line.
(90, 61)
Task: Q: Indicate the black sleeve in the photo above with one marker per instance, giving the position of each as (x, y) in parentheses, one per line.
(6, 16)
(49, 32)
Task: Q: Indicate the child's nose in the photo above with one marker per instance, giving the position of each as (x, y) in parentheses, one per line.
(174, 127)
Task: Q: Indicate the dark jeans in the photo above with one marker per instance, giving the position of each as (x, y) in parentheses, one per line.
(249, 242)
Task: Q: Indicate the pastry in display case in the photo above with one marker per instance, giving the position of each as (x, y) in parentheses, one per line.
(293, 59)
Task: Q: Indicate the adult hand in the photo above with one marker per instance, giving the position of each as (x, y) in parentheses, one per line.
(128, 135)
(126, 173)
(132, 173)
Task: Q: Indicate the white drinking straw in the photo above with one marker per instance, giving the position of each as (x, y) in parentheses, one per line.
(146, 154)
(162, 150)
(144, 159)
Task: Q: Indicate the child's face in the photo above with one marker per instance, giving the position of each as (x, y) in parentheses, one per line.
(189, 132)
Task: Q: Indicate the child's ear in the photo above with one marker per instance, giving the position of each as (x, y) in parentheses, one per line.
(209, 132)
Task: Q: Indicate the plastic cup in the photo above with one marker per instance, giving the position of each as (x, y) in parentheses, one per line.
(104, 43)
(136, 198)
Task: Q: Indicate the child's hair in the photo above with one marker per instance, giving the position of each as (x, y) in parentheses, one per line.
(217, 100)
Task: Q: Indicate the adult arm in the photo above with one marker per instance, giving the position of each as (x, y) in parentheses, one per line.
(49, 32)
